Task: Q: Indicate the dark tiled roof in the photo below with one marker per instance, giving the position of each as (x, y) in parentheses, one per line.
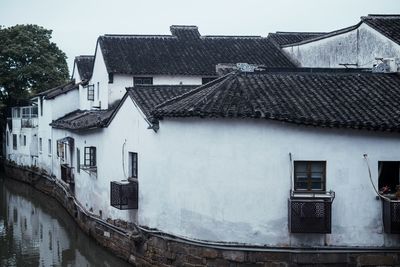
(149, 96)
(83, 119)
(62, 89)
(388, 25)
(85, 66)
(285, 38)
(185, 52)
(327, 99)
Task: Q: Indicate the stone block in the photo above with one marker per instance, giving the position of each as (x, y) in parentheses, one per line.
(376, 260)
(237, 256)
(320, 258)
(209, 253)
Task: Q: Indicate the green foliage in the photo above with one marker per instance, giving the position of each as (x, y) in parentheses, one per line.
(29, 63)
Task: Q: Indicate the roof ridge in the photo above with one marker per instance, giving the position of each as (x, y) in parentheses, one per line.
(381, 15)
(328, 34)
(138, 35)
(161, 85)
(232, 36)
(195, 90)
(283, 32)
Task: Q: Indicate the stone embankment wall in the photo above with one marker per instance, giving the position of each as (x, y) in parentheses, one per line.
(143, 247)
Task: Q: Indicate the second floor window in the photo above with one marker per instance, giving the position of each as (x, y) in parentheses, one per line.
(40, 145)
(309, 175)
(14, 141)
(49, 142)
(133, 164)
(24, 140)
(90, 156)
(90, 92)
(142, 80)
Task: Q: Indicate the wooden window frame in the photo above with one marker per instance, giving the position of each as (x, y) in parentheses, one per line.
(133, 164)
(309, 173)
(78, 160)
(90, 92)
(90, 156)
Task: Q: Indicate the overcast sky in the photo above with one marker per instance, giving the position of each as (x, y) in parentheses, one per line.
(76, 24)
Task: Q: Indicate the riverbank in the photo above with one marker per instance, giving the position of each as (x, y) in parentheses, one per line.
(145, 247)
(36, 231)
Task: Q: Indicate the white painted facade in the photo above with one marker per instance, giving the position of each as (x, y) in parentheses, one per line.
(21, 139)
(52, 110)
(359, 46)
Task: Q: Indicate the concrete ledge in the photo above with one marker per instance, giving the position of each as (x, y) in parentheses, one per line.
(142, 248)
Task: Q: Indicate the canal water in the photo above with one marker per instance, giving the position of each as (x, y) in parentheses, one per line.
(36, 231)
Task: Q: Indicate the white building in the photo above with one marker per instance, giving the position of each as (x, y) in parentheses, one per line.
(360, 46)
(21, 135)
(83, 138)
(218, 167)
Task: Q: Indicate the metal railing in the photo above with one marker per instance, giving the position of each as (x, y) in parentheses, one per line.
(391, 216)
(310, 213)
(124, 195)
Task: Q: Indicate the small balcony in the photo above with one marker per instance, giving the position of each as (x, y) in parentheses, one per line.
(391, 216)
(124, 195)
(310, 212)
(29, 122)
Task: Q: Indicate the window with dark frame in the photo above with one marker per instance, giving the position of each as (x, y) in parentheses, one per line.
(90, 92)
(388, 176)
(15, 141)
(40, 144)
(78, 160)
(310, 175)
(133, 164)
(24, 140)
(90, 156)
(142, 80)
(110, 77)
(7, 141)
(41, 106)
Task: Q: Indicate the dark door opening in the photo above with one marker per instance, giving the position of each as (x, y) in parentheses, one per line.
(389, 174)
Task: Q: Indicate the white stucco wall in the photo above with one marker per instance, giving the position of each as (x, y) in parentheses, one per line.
(360, 46)
(52, 110)
(229, 180)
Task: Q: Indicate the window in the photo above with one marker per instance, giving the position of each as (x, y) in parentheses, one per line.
(61, 149)
(78, 160)
(49, 146)
(388, 176)
(90, 156)
(205, 80)
(14, 141)
(24, 140)
(133, 164)
(16, 112)
(40, 144)
(7, 141)
(90, 92)
(142, 80)
(309, 175)
(98, 90)
(41, 106)
(110, 77)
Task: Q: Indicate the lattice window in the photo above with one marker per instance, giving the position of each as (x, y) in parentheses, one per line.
(133, 164)
(124, 195)
(90, 156)
(14, 141)
(309, 175)
(90, 92)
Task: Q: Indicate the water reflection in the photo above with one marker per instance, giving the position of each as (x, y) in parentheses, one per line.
(36, 231)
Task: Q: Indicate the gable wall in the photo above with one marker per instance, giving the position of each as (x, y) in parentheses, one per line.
(360, 46)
